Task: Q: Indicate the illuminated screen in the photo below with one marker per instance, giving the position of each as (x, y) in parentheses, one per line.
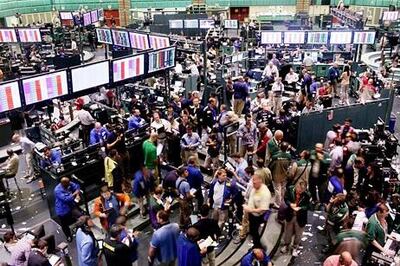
(87, 20)
(231, 24)
(364, 37)
(45, 87)
(294, 37)
(191, 23)
(320, 37)
(340, 37)
(271, 37)
(29, 35)
(100, 13)
(390, 15)
(206, 23)
(8, 35)
(157, 42)
(66, 16)
(90, 76)
(139, 41)
(127, 68)
(120, 38)
(9, 96)
(176, 24)
(104, 36)
(94, 16)
(161, 59)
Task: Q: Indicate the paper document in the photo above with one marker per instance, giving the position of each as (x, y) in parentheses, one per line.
(208, 242)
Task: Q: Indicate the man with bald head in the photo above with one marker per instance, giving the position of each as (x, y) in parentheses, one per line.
(98, 134)
(67, 194)
(344, 259)
(257, 256)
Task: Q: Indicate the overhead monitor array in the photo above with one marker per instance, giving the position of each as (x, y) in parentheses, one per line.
(139, 41)
(161, 59)
(8, 36)
(120, 38)
(10, 97)
(390, 15)
(129, 67)
(231, 24)
(84, 19)
(90, 76)
(29, 35)
(318, 37)
(191, 23)
(157, 42)
(104, 35)
(176, 24)
(206, 23)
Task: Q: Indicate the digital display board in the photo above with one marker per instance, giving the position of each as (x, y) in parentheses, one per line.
(29, 35)
(87, 19)
(271, 37)
(10, 97)
(66, 16)
(317, 37)
(176, 24)
(340, 37)
(120, 38)
(127, 68)
(157, 42)
(191, 23)
(90, 76)
(364, 37)
(161, 59)
(294, 37)
(8, 35)
(100, 13)
(104, 35)
(231, 24)
(94, 16)
(390, 15)
(45, 87)
(139, 41)
(206, 23)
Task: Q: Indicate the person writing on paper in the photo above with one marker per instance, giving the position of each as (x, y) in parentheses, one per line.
(156, 204)
(189, 252)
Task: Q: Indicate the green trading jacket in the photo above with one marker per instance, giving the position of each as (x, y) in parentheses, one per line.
(375, 230)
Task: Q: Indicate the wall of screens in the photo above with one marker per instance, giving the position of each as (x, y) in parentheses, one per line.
(161, 59)
(104, 35)
(8, 35)
(366, 37)
(87, 19)
(340, 37)
(271, 37)
(90, 76)
(157, 42)
(10, 97)
(318, 37)
(120, 38)
(139, 41)
(231, 24)
(294, 37)
(175, 24)
(129, 67)
(29, 35)
(45, 87)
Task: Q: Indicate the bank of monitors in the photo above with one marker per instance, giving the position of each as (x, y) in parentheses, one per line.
(29, 35)
(139, 41)
(364, 37)
(157, 42)
(390, 15)
(104, 35)
(191, 23)
(100, 13)
(161, 59)
(317, 37)
(120, 38)
(66, 16)
(340, 37)
(231, 24)
(271, 37)
(129, 67)
(10, 97)
(206, 23)
(8, 35)
(176, 24)
(94, 16)
(90, 76)
(294, 37)
(45, 87)
(87, 19)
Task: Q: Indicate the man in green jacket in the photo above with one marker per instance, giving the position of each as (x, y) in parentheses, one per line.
(150, 154)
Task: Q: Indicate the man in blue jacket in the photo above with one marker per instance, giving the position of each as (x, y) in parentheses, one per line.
(51, 157)
(189, 252)
(195, 180)
(141, 185)
(333, 76)
(240, 94)
(86, 243)
(98, 134)
(67, 194)
(257, 256)
(135, 120)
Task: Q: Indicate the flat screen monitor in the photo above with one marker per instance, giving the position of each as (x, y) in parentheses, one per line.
(176, 24)
(317, 37)
(45, 87)
(120, 38)
(390, 15)
(87, 19)
(157, 42)
(364, 37)
(126, 68)
(100, 13)
(271, 37)
(66, 16)
(94, 16)
(340, 37)
(206, 23)
(139, 41)
(294, 37)
(90, 76)
(10, 97)
(191, 23)
(8, 35)
(29, 35)
(231, 24)
(161, 59)
(104, 35)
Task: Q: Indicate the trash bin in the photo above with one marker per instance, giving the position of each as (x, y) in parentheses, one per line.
(392, 122)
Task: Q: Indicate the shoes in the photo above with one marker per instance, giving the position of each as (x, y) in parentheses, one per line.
(295, 252)
(284, 249)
